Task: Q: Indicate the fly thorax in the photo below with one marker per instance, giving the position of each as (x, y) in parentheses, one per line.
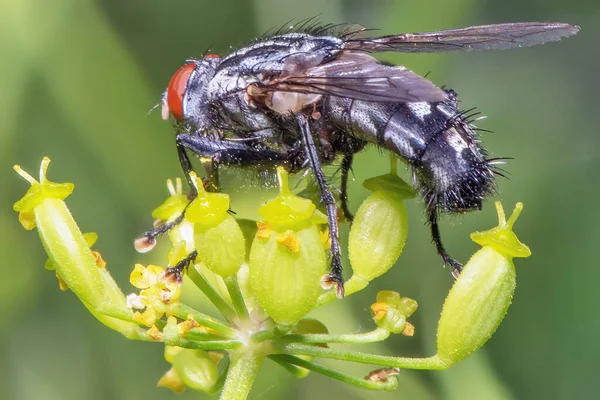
(196, 99)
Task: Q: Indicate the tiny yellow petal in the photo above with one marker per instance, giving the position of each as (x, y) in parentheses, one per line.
(289, 240)
(264, 230)
(137, 277)
(379, 310)
(154, 271)
(148, 317)
(99, 260)
(409, 330)
(61, 283)
(171, 380)
(187, 325)
(90, 238)
(155, 333)
(27, 219)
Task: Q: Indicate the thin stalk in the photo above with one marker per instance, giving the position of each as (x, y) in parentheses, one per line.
(182, 311)
(221, 380)
(351, 286)
(222, 305)
(430, 363)
(375, 335)
(197, 335)
(270, 334)
(388, 385)
(243, 369)
(237, 298)
(205, 345)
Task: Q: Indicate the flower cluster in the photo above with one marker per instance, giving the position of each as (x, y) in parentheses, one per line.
(265, 279)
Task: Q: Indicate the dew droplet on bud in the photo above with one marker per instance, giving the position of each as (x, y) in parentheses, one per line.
(144, 244)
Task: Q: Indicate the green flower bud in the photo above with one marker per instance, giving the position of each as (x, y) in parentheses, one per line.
(379, 229)
(76, 266)
(217, 236)
(391, 312)
(482, 293)
(197, 369)
(287, 259)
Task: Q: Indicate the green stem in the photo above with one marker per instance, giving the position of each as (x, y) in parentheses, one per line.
(222, 305)
(205, 345)
(375, 335)
(182, 311)
(388, 385)
(221, 380)
(237, 298)
(430, 363)
(351, 286)
(270, 334)
(200, 336)
(243, 369)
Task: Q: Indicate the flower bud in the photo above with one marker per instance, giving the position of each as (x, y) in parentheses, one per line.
(197, 369)
(391, 311)
(217, 236)
(379, 229)
(482, 293)
(287, 259)
(76, 266)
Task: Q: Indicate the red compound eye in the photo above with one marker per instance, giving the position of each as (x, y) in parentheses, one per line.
(176, 90)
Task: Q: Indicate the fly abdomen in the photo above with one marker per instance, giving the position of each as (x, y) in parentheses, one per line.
(450, 166)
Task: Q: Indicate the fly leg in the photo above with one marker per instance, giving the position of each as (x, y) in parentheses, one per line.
(218, 152)
(437, 239)
(312, 153)
(176, 271)
(346, 168)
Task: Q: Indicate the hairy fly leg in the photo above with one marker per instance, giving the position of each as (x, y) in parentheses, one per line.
(346, 168)
(218, 152)
(437, 239)
(312, 153)
(177, 270)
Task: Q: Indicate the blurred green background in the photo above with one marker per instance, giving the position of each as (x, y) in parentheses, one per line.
(77, 79)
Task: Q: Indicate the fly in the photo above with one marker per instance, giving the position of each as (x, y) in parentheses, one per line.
(313, 97)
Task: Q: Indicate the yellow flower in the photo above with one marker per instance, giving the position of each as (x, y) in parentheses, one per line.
(159, 290)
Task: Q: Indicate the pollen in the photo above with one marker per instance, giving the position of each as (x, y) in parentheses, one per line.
(264, 230)
(155, 334)
(187, 325)
(99, 260)
(409, 329)
(61, 283)
(288, 239)
(379, 310)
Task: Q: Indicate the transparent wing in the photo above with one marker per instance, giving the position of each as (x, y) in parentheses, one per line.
(473, 38)
(359, 76)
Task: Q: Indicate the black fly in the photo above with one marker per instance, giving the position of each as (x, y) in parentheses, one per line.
(307, 98)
